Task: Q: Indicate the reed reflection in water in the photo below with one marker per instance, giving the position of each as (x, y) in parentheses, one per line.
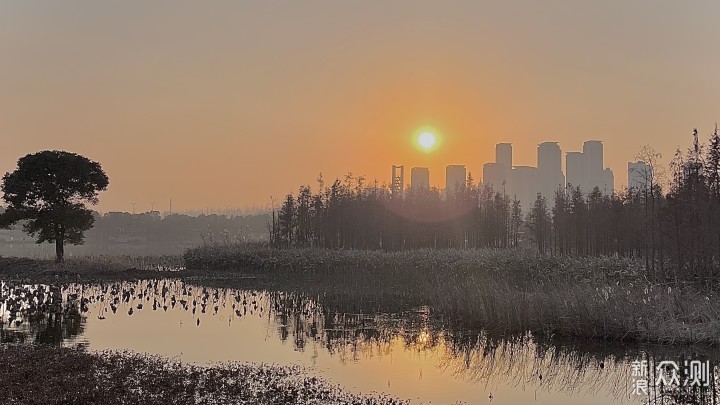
(410, 354)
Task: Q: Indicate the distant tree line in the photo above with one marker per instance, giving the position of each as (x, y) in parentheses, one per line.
(348, 214)
(152, 227)
(671, 223)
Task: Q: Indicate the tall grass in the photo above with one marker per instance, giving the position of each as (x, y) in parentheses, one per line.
(503, 291)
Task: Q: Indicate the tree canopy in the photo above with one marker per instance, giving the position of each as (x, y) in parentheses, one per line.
(49, 191)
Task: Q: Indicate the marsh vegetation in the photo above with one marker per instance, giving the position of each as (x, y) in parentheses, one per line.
(75, 376)
(498, 290)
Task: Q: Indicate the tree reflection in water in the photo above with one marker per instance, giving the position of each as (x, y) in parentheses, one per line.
(57, 315)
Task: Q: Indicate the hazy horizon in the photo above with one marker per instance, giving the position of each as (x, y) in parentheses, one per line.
(230, 103)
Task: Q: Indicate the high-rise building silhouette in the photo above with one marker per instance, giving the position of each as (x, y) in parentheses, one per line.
(420, 178)
(455, 176)
(549, 157)
(497, 175)
(639, 175)
(398, 181)
(549, 169)
(586, 169)
(503, 155)
(575, 167)
(494, 176)
(593, 156)
(524, 181)
(608, 182)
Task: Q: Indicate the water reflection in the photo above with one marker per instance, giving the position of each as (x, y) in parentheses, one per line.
(408, 353)
(39, 314)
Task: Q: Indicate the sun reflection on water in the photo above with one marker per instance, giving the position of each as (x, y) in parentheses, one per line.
(406, 354)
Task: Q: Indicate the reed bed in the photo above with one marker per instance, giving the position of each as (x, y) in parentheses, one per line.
(499, 290)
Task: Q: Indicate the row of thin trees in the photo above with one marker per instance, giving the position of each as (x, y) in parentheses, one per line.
(348, 215)
(671, 222)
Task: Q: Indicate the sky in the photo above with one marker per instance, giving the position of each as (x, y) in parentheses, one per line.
(232, 103)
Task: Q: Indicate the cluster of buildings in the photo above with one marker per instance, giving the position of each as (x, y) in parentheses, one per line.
(584, 170)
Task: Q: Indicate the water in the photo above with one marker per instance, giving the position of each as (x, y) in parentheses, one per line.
(409, 354)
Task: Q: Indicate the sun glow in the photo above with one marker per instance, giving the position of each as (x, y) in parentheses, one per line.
(427, 140)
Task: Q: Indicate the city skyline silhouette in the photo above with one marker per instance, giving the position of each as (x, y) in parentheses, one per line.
(232, 104)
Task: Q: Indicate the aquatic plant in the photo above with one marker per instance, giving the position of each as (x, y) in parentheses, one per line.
(75, 376)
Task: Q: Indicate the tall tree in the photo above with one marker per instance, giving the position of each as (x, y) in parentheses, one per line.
(712, 168)
(561, 221)
(48, 191)
(539, 223)
(650, 194)
(516, 221)
(712, 163)
(287, 220)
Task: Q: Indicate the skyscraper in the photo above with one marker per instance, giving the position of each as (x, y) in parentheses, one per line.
(639, 175)
(455, 178)
(549, 170)
(398, 181)
(594, 166)
(549, 157)
(586, 169)
(608, 182)
(494, 176)
(420, 178)
(525, 185)
(503, 155)
(575, 166)
(497, 175)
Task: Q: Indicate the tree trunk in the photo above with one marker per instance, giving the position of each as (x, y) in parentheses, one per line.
(59, 249)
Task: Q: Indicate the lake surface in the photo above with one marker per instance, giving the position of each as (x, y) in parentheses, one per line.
(409, 354)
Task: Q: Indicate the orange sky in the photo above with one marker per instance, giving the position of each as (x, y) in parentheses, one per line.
(229, 103)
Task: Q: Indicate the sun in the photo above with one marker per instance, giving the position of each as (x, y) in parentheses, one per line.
(426, 140)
